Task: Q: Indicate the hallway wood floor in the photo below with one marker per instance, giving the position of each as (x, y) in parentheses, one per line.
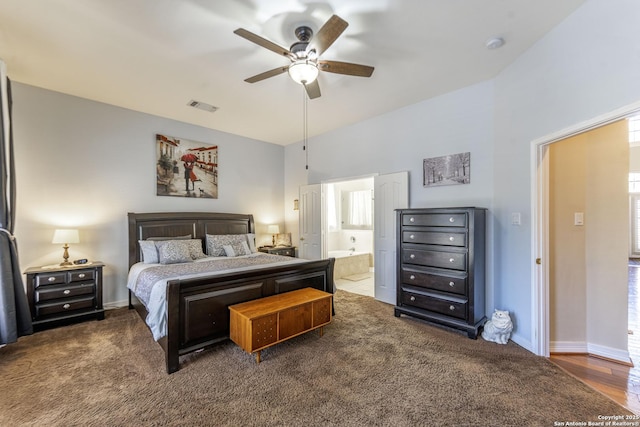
(621, 383)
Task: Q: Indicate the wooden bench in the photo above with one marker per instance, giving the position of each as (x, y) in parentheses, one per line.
(261, 323)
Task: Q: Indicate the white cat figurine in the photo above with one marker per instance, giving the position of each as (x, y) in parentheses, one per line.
(499, 328)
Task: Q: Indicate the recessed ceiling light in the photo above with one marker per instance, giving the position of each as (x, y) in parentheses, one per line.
(495, 43)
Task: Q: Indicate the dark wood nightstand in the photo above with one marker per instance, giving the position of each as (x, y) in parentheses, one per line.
(279, 250)
(61, 295)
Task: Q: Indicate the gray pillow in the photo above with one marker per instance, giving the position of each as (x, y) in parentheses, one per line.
(173, 252)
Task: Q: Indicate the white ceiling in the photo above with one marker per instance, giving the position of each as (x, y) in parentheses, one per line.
(154, 56)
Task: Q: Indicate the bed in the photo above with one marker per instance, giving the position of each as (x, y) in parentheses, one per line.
(197, 312)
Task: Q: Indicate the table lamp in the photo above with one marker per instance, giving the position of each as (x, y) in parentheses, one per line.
(66, 236)
(273, 230)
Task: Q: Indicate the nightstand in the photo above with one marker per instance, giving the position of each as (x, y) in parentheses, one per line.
(61, 295)
(279, 250)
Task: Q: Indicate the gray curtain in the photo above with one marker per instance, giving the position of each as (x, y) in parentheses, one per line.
(15, 318)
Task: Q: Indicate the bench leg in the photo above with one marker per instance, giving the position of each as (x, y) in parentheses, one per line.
(321, 330)
(258, 356)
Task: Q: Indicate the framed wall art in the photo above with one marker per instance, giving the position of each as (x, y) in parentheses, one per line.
(186, 168)
(453, 169)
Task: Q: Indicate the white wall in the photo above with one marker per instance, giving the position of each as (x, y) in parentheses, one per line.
(587, 66)
(85, 164)
(457, 122)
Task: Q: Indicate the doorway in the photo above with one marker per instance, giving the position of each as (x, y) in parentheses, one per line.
(390, 192)
(348, 228)
(611, 346)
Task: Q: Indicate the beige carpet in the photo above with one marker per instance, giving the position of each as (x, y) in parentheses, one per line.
(369, 369)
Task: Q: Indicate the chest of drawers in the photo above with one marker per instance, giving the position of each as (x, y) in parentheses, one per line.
(65, 294)
(441, 266)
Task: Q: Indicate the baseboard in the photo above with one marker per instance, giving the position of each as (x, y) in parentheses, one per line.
(115, 304)
(581, 347)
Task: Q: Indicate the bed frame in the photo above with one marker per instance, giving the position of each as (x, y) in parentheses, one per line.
(197, 309)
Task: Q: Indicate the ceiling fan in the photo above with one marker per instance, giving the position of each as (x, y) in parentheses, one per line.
(305, 53)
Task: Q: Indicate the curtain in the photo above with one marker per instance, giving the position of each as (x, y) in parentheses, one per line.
(15, 318)
(360, 202)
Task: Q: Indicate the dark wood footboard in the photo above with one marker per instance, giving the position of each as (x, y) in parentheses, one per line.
(197, 309)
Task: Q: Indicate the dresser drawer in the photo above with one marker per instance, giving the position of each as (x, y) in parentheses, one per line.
(435, 219)
(435, 238)
(453, 284)
(48, 293)
(51, 279)
(285, 252)
(438, 305)
(451, 260)
(81, 275)
(65, 306)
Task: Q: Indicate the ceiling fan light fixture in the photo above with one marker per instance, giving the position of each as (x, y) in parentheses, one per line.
(303, 71)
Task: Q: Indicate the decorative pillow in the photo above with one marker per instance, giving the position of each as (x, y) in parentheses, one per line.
(215, 242)
(251, 239)
(195, 248)
(237, 249)
(173, 252)
(149, 251)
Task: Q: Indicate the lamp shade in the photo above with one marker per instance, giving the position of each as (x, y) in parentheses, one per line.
(273, 229)
(66, 236)
(303, 71)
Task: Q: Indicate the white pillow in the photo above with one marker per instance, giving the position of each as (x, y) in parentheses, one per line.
(173, 252)
(149, 251)
(251, 239)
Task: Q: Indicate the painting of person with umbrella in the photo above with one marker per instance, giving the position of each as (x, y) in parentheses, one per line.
(189, 176)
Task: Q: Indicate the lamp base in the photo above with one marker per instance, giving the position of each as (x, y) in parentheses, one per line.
(65, 263)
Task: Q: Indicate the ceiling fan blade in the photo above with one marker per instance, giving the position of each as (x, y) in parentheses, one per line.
(267, 74)
(345, 68)
(313, 89)
(267, 44)
(326, 35)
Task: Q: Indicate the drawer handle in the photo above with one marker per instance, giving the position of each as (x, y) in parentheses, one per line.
(452, 219)
(412, 219)
(412, 237)
(66, 306)
(81, 275)
(451, 308)
(412, 298)
(451, 238)
(412, 277)
(51, 279)
(66, 292)
(451, 259)
(452, 284)
(412, 256)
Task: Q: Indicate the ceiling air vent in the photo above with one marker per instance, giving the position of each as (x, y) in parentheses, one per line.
(202, 106)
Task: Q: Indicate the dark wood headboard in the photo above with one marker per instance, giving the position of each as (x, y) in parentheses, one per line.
(172, 224)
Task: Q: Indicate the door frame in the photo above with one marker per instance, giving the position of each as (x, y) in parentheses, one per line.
(540, 224)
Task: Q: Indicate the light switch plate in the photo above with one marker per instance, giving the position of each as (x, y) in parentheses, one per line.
(515, 218)
(578, 218)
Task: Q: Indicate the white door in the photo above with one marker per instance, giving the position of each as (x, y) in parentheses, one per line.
(390, 192)
(310, 222)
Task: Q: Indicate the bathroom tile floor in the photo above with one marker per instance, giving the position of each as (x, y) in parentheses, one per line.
(361, 287)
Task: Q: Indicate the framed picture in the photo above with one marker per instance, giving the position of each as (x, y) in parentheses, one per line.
(453, 169)
(283, 239)
(186, 168)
